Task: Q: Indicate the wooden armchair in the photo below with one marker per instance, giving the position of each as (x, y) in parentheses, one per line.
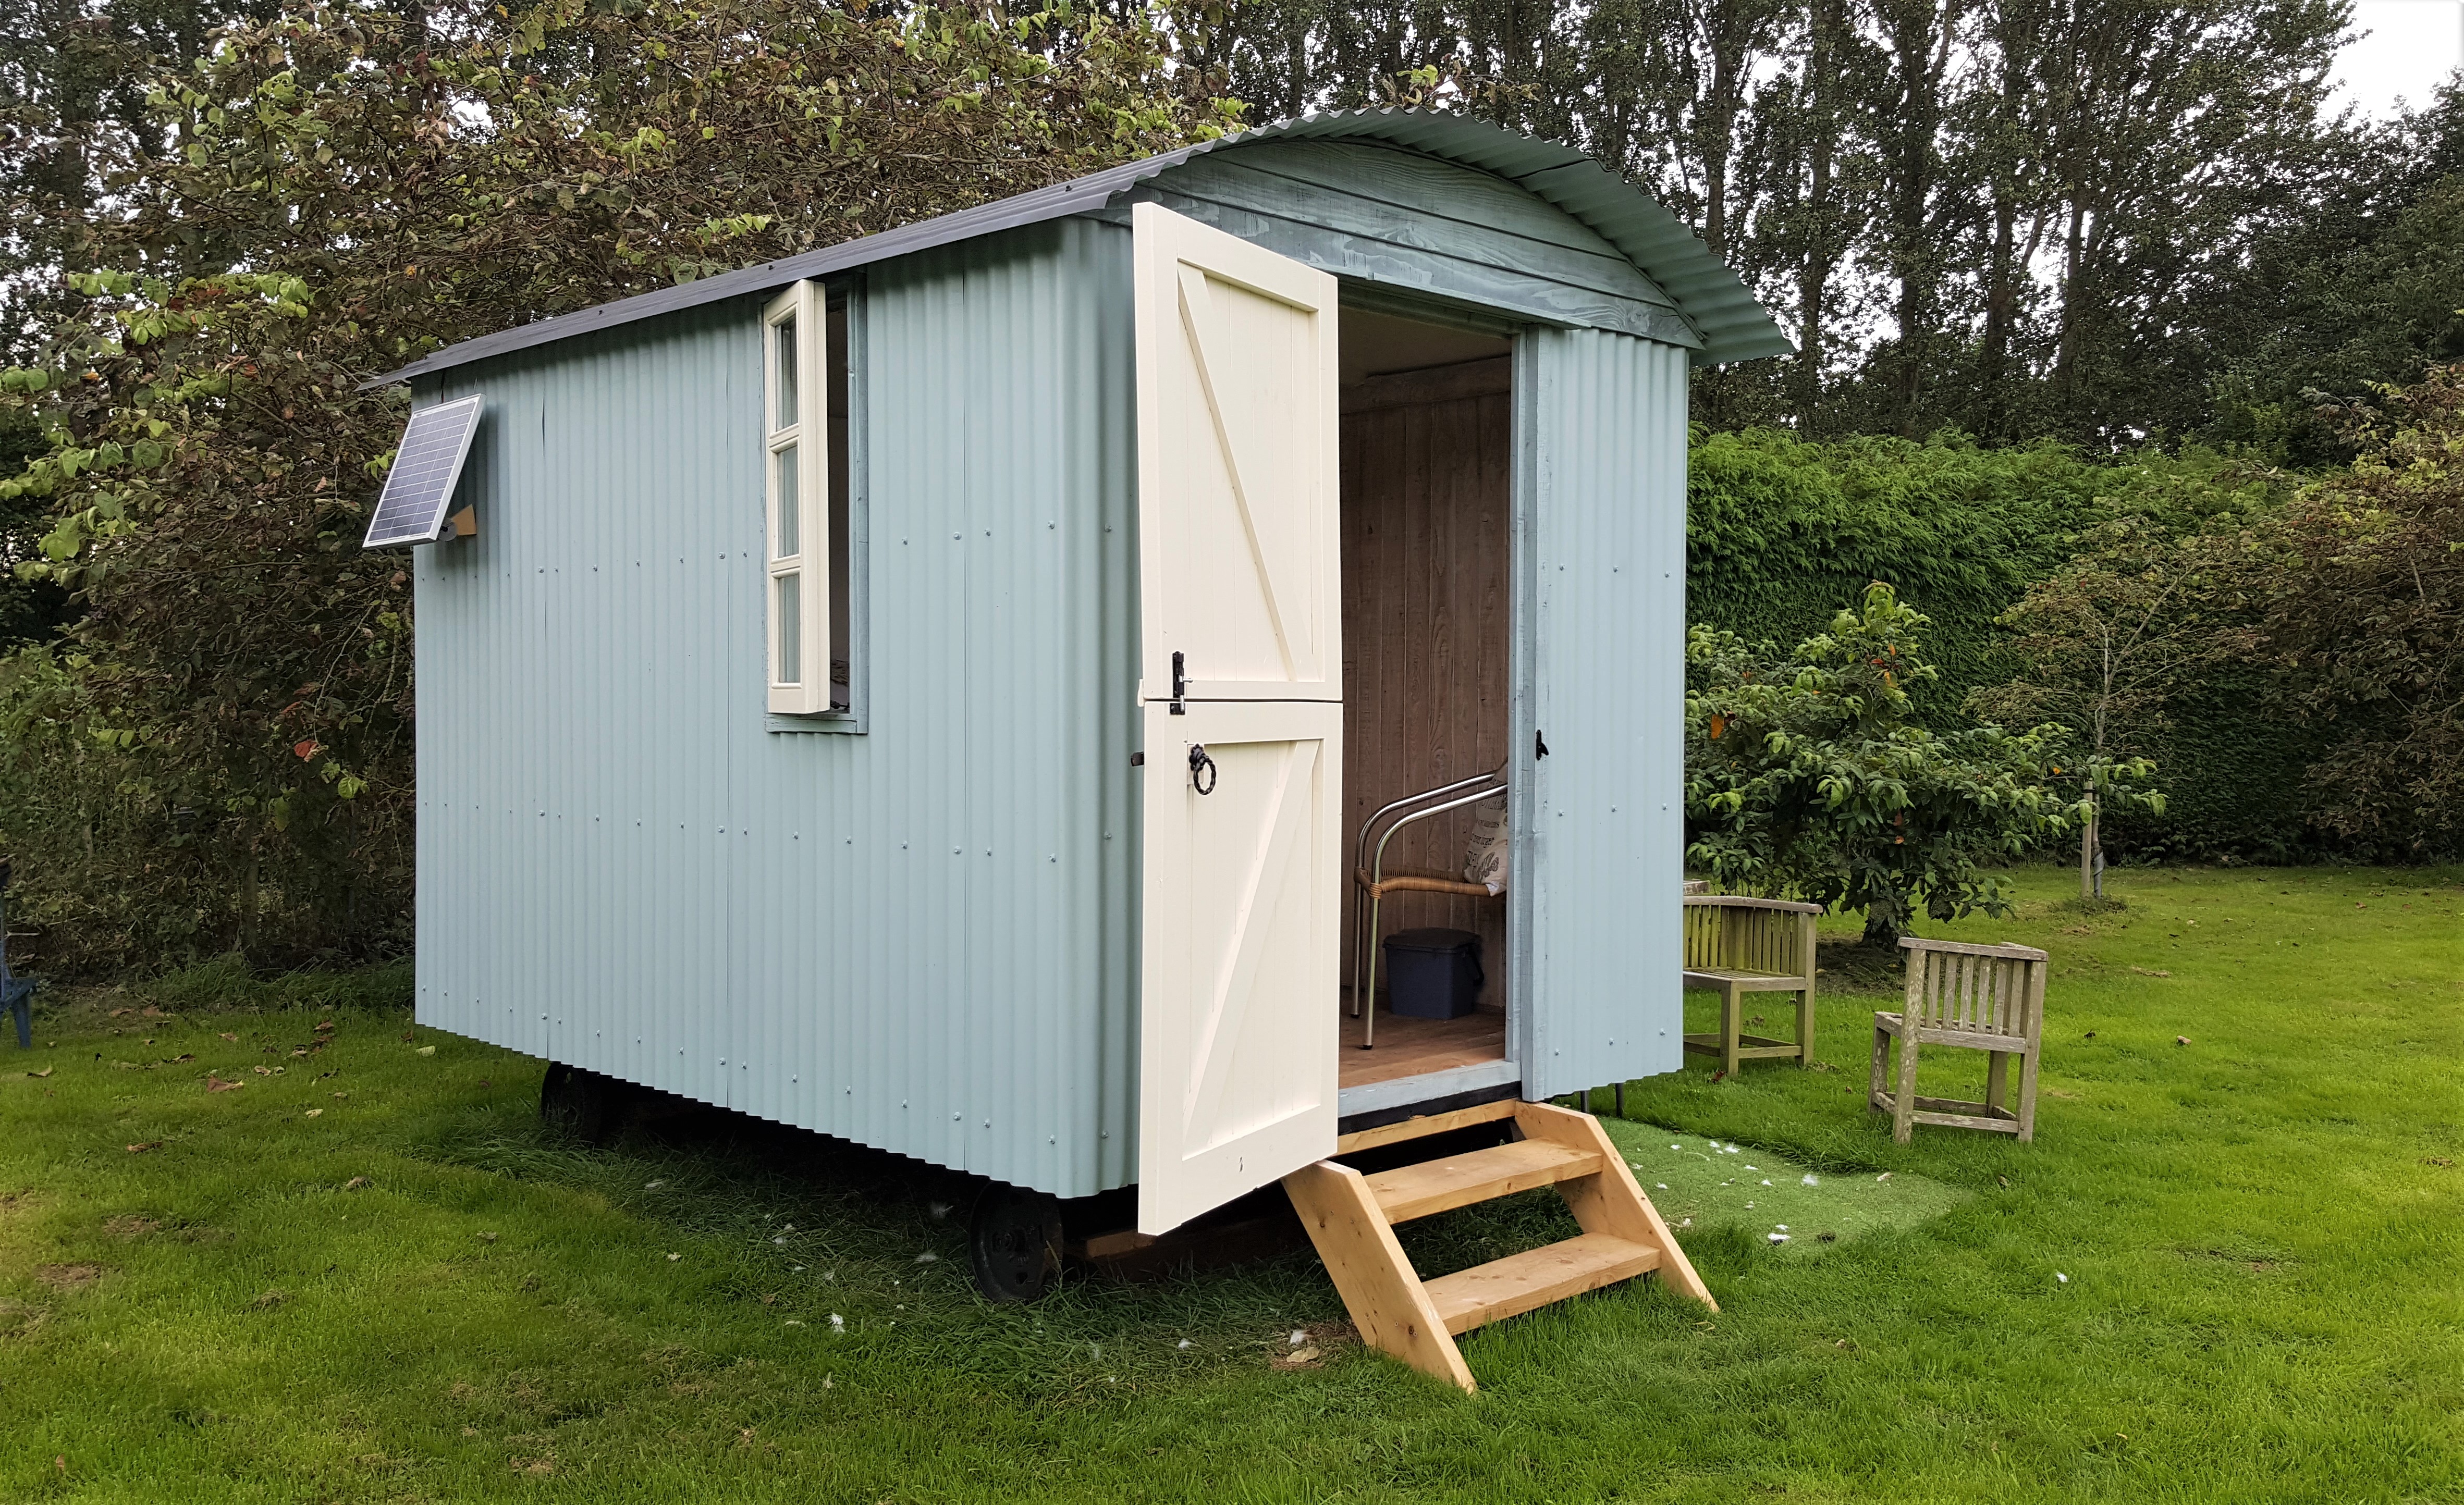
(1737, 946)
(1986, 998)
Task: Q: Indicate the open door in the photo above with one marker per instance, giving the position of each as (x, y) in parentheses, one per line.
(1241, 703)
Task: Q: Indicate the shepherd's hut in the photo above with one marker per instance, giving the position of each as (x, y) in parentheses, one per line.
(952, 690)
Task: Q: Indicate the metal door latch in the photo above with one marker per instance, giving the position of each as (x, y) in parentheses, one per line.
(1179, 686)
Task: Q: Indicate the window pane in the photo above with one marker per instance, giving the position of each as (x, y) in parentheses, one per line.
(789, 625)
(790, 507)
(784, 336)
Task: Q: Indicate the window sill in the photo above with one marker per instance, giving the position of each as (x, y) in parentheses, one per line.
(840, 722)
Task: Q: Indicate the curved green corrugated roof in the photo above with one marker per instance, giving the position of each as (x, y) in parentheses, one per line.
(1733, 326)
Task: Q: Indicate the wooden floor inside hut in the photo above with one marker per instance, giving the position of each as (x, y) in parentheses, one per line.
(1409, 1047)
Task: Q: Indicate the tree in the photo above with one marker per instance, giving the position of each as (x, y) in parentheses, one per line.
(353, 185)
(2106, 638)
(1805, 778)
(2180, 132)
(2364, 284)
(2020, 218)
(2011, 119)
(74, 80)
(1924, 209)
(75, 76)
(1819, 211)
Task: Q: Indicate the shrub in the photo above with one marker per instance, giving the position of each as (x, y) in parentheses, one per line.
(1805, 776)
(2357, 593)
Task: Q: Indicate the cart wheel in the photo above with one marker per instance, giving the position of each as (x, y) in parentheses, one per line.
(583, 1103)
(1014, 1241)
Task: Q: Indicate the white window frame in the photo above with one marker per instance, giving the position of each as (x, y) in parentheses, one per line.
(807, 431)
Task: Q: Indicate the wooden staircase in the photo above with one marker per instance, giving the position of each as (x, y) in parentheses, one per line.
(1352, 1216)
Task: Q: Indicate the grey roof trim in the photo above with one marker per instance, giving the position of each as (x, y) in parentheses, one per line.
(1714, 301)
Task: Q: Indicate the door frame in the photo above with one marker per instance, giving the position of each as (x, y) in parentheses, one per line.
(1521, 715)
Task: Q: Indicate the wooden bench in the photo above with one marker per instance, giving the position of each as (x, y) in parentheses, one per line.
(1986, 998)
(1736, 945)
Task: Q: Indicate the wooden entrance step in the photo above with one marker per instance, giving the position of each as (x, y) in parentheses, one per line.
(1524, 1282)
(1440, 1185)
(1350, 1218)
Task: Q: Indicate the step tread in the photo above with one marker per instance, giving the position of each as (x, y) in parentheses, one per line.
(1519, 1283)
(1421, 1125)
(1435, 1186)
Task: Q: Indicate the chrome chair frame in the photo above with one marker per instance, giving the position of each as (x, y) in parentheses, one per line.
(1368, 874)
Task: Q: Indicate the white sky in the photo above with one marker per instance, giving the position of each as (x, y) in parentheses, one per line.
(2414, 45)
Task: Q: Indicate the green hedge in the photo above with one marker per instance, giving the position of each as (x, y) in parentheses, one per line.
(2234, 779)
(1782, 533)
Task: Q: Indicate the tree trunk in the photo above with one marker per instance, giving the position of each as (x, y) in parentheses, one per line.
(2073, 312)
(1715, 192)
(1814, 273)
(1731, 29)
(2088, 846)
(1814, 291)
(2008, 152)
(1887, 920)
(1917, 37)
(1993, 421)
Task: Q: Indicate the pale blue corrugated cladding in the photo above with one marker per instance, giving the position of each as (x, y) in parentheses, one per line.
(1600, 489)
(919, 938)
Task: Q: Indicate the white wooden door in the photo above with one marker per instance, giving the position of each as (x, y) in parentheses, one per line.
(1241, 858)
(1237, 1022)
(1238, 468)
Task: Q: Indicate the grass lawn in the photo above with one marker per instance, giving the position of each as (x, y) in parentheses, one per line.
(366, 1273)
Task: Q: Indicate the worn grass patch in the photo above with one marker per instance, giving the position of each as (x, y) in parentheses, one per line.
(416, 1295)
(1800, 1211)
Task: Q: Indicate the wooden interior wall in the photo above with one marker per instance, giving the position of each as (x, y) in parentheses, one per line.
(1428, 632)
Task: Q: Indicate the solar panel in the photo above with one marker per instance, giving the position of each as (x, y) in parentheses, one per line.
(420, 487)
